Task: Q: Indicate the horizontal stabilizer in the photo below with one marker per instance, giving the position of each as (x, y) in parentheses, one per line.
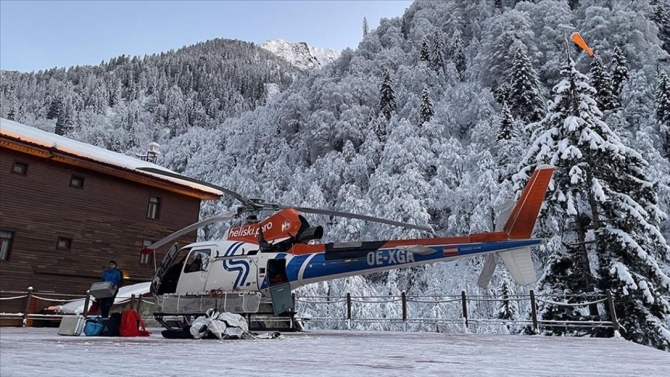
(520, 265)
(488, 270)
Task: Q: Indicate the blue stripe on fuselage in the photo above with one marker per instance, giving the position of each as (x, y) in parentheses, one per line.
(320, 267)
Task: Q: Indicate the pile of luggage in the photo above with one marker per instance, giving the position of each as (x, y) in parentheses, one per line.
(129, 323)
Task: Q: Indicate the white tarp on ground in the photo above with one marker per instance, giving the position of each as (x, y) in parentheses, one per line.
(41, 352)
(222, 325)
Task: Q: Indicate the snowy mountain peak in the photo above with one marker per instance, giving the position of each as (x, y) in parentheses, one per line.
(301, 54)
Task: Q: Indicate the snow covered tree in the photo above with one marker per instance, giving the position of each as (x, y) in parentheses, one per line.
(387, 104)
(508, 308)
(662, 19)
(505, 130)
(404, 27)
(619, 71)
(574, 4)
(663, 111)
(501, 93)
(458, 56)
(509, 145)
(365, 27)
(425, 53)
(426, 109)
(602, 83)
(525, 100)
(437, 61)
(611, 209)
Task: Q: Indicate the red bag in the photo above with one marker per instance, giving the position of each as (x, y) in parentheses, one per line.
(93, 308)
(132, 324)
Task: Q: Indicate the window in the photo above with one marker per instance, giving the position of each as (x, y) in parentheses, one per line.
(77, 182)
(154, 207)
(197, 261)
(5, 244)
(146, 258)
(19, 168)
(64, 243)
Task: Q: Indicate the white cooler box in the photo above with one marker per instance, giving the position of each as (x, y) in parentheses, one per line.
(102, 289)
(71, 325)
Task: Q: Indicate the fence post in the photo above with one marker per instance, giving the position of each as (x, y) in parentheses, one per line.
(139, 304)
(349, 310)
(29, 297)
(86, 303)
(403, 295)
(610, 302)
(533, 309)
(465, 307)
(132, 302)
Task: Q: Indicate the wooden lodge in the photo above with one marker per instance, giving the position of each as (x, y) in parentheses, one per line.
(67, 208)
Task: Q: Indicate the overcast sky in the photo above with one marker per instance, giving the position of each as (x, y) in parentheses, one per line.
(38, 35)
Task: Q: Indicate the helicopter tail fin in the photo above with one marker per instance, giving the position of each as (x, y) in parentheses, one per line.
(518, 220)
(521, 220)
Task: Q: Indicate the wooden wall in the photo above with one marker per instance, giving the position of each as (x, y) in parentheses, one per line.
(105, 220)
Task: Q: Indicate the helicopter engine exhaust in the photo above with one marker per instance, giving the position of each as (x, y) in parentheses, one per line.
(311, 233)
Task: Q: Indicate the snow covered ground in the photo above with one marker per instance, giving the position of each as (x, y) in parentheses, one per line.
(40, 352)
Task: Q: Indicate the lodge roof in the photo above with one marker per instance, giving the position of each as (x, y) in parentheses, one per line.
(31, 140)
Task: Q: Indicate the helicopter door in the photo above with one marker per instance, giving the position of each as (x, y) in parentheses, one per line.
(280, 288)
(168, 259)
(194, 275)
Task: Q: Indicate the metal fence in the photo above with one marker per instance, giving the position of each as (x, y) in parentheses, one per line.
(30, 301)
(348, 303)
(345, 308)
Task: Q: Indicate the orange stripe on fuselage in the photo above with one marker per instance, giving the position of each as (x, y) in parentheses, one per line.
(300, 249)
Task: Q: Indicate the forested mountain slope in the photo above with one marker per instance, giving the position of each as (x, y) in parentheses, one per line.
(441, 114)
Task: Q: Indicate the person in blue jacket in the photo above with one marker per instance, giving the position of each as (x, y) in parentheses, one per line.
(112, 274)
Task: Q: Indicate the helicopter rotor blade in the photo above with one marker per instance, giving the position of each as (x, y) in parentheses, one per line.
(190, 228)
(232, 193)
(356, 216)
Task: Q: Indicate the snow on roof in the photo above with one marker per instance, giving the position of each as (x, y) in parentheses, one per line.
(62, 144)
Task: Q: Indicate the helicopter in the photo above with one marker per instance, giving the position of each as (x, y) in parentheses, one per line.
(273, 256)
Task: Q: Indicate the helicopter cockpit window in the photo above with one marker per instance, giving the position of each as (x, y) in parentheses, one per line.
(197, 261)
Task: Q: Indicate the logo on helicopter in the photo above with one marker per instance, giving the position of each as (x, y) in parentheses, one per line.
(285, 225)
(249, 230)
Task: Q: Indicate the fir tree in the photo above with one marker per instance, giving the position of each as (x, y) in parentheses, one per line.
(601, 187)
(404, 27)
(501, 93)
(365, 27)
(425, 54)
(574, 4)
(505, 130)
(459, 55)
(619, 71)
(508, 145)
(508, 308)
(663, 111)
(662, 19)
(602, 83)
(525, 99)
(387, 104)
(437, 62)
(427, 111)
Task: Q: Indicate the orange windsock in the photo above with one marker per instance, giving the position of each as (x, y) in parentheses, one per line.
(580, 42)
